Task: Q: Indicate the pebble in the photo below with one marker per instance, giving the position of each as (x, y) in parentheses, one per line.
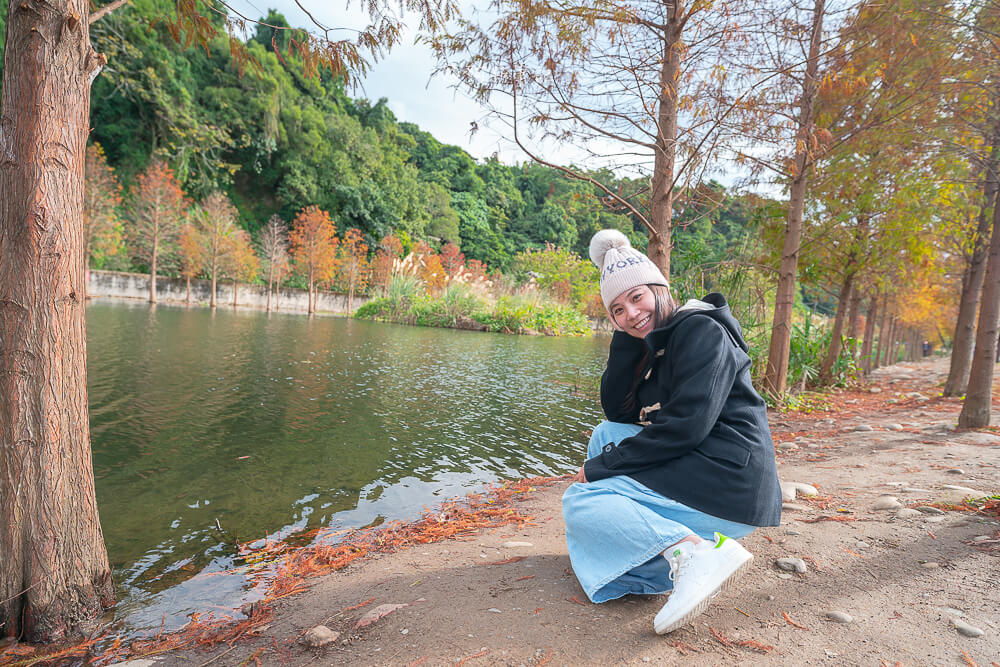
(795, 507)
(933, 519)
(839, 616)
(964, 489)
(791, 564)
(320, 636)
(788, 446)
(980, 538)
(784, 575)
(930, 565)
(907, 513)
(859, 544)
(951, 611)
(790, 489)
(795, 532)
(894, 427)
(875, 390)
(966, 629)
(494, 610)
(887, 503)
(927, 509)
(892, 401)
(863, 427)
(915, 489)
(955, 471)
(512, 545)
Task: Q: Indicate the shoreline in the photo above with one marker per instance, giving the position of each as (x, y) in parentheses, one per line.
(883, 552)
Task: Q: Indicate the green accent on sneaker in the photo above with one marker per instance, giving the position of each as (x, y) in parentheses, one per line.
(719, 539)
(677, 552)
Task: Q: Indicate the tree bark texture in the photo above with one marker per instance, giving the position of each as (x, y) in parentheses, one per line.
(972, 284)
(979, 394)
(661, 198)
(776, 374)
(890, 343)
(54, 572)
(837, 335)
(854, 314)
(866, 348)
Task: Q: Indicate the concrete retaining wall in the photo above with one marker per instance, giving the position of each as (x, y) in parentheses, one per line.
(119, 285)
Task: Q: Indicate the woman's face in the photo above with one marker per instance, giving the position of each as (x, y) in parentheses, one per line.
(633, 311)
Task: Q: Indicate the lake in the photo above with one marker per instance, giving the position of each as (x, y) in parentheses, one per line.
(210, 427)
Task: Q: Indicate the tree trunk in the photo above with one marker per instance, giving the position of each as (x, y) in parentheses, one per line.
(54, 573)
(188, 300)
(270, 274)
(896, 342)
(972, 284)
(776, 375)
(211, 298)
(883, 332)
(854, 323)
(236, 293)
(979, 394)
(152, 270)
(661, 196)
(837, 335)
(350, 293)
(890, 343)
(866, 348)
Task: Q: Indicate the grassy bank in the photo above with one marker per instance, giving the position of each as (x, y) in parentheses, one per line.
(457, 306)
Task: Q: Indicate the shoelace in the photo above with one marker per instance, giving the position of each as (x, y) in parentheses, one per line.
(676, 563)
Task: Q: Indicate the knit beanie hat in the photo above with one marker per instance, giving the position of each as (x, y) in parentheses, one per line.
(622, 266)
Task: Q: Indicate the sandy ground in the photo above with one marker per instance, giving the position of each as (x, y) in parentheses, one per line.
(902, 580)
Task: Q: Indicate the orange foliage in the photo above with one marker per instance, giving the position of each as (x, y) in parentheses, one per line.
(192, 251)
(476, 269)
(101, 199)
(158, 209)
(429, 267)
(452, 259)
(313, 247)
(352, 267)
(384, 264)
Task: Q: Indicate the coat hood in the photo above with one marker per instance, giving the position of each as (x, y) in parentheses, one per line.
(717, 309)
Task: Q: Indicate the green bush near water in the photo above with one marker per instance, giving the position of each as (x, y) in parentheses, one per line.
(458, 307)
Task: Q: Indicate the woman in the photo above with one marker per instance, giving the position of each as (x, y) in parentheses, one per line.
(685, 458)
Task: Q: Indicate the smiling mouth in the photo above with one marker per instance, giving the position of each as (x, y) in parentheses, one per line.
(641, 324)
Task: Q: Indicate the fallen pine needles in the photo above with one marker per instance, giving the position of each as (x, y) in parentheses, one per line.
(756, 645)
(792, 623)
(683, 647)
(470, 657)
(283, 570)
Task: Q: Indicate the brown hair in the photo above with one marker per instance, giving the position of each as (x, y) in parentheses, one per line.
(663, 307)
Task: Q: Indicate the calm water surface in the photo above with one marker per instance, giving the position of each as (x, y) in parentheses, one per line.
(278, 424)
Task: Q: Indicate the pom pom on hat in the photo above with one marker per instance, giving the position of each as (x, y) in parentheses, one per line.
(605, 240)
(622, 267)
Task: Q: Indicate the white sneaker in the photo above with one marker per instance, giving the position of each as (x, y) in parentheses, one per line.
(699, 572)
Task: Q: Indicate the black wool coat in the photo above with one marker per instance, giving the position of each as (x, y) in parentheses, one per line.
(705, 440)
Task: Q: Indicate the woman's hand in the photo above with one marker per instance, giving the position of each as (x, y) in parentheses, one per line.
(580, 477)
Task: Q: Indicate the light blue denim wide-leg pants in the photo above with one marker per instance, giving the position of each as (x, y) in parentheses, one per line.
(617, 529)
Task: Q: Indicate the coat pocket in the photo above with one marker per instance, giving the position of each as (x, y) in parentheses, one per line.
(731, 452)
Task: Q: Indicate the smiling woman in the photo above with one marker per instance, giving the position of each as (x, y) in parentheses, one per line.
(685, 458)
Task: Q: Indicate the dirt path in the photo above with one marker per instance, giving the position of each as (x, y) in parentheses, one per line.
(900, 579)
